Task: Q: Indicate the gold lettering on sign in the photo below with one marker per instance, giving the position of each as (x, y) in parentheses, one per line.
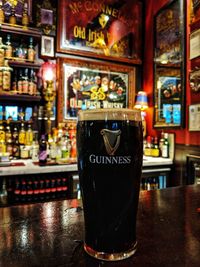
(89, 6)
(79, 32)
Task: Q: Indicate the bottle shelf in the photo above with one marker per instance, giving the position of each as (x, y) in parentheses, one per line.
(20, 98)
(20, 30)
(18, 63)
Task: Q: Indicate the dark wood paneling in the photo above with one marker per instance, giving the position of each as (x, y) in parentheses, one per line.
(179, 174)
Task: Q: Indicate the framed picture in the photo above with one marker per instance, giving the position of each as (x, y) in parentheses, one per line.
(194, 117)
(46, 16)
(195, 44)
(102, 29)
(87, 84)
(19, 7)
(47, 46)
(169, 66)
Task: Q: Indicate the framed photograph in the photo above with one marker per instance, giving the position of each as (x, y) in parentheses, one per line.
(46, 16)
(87, 84)
(47, 46)
(102, 29)
(194, 117)
(195, 44)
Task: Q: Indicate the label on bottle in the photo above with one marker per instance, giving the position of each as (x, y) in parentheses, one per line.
(43, 155)
(6, 80)
(22, 137)
(165, 151)
(1, 57)
(19, 87)
(31, 54)
(25, 87)
(8, 52)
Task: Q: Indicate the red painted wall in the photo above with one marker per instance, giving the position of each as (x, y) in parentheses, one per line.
(182, 136)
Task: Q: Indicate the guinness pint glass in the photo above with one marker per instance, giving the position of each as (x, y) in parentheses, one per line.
(110, 151)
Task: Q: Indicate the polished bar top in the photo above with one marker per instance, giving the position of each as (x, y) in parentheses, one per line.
(50, 234)
(30, 168)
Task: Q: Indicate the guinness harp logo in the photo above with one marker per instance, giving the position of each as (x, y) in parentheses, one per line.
(111, 140)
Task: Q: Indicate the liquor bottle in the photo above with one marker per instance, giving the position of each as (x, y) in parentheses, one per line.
(22, 135)
(155, 149)
(165, 147)
(16, 149)
(12, 18)
(2, 52)
(32, 88)
(9, 147)
(31, 50)
(25, 17)
(14, 82)
(20, 83)
(42, 150)
(8, 48)
(23, 192)
(29, 136)
(6, 76)
(161, 141)
(25, 82)
(2, 132)
(147, 149)
(1, 80)
(17, 190)
(2, 15)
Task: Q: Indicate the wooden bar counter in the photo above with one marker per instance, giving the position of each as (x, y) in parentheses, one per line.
(50, 234)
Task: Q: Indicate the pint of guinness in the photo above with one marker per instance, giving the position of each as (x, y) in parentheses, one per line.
(110, 151)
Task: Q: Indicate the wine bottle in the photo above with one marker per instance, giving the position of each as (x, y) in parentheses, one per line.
(42, 150)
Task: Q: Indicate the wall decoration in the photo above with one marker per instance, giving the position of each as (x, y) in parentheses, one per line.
(169, 66)
(194, 117)
(18, 6)
(108, 28)
(47, 46)
(88, 84)
(45, 14)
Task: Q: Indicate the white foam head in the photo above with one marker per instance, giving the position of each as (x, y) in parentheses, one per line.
(119, 114)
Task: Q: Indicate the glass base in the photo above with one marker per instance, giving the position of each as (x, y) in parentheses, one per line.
(110, 256)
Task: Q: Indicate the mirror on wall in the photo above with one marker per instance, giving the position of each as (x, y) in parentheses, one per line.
(169, 65)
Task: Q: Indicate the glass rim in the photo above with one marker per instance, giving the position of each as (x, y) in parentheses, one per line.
(110, 114)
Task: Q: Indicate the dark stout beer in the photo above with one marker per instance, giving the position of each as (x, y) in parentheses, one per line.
(109, 162)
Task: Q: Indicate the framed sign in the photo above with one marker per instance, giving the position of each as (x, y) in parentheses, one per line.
(108, 28)
(47, 46)
(88, 84)
(194, 117)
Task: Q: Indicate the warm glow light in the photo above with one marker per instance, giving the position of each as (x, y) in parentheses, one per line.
(141, 101)
(48, 71)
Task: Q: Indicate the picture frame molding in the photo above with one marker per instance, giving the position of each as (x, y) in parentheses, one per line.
(92, 65)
